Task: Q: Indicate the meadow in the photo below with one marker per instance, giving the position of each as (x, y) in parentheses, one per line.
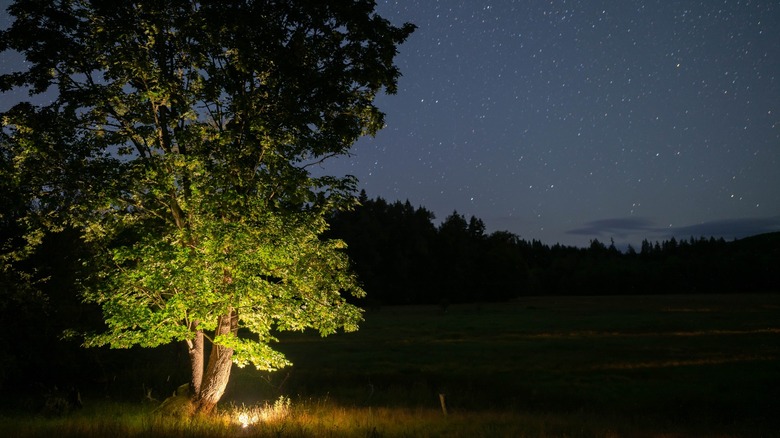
(635, 366)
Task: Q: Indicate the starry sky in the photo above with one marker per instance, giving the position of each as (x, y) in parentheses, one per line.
(571, 120)
(568, 120)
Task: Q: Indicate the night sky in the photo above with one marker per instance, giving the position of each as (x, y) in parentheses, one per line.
(566, 121)
(570, 120)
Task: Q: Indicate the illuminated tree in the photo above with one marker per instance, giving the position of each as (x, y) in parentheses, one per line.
(178, 136)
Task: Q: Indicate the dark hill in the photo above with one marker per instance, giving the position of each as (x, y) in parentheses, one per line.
(760, 242)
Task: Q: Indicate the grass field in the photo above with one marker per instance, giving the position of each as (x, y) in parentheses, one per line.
(666, 366)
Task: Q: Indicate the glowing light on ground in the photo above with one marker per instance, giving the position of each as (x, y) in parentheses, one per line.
(246, 419)
(249, 415)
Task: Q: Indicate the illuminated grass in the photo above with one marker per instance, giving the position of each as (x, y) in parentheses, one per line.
(321, 419)
(325, 419)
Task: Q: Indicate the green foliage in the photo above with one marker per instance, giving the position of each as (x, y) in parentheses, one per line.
(179, 140)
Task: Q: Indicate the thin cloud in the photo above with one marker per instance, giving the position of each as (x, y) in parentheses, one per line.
(645, 228)
(619, 227)
(730, 228)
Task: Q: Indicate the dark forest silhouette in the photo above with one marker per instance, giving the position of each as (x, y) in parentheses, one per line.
(403, 258)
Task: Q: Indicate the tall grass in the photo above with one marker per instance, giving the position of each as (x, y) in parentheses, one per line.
(322, 418)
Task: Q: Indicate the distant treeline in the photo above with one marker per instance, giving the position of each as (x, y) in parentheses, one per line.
(403, 258)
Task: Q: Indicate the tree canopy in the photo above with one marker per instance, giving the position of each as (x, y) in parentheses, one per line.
(178, 140)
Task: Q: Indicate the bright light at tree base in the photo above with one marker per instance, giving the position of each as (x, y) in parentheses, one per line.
(245, 419)
(247, 416)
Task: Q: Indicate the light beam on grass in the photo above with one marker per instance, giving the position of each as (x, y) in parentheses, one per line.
(682, 363)
(246, 418)
(250, 415)
(628, 334)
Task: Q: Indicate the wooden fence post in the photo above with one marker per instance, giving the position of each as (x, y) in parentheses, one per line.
(443, 403)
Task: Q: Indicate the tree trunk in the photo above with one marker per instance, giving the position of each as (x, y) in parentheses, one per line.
(218, 370)
(195, 349)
